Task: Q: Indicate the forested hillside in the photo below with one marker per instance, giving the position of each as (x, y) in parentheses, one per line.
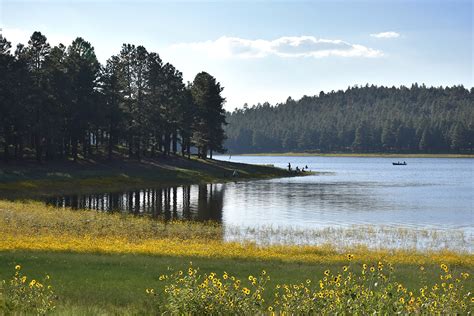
(360, 119)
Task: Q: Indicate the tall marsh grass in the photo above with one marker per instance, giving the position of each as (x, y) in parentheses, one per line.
(373, 237)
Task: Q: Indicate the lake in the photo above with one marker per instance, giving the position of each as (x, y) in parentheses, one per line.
(426, 204)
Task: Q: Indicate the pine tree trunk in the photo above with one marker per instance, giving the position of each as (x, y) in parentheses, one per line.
(167, 143)
(97, 138)
(153, 147)
(84, 145)
(138, 148)
(160, 142)
(175, 142)
(38, 147)
(5, 151)
(110, 145)
(74, 148)
(48, 149)
(130, 146)
(20, 148)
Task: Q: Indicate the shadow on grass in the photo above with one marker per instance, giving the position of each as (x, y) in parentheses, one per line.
(30, 180)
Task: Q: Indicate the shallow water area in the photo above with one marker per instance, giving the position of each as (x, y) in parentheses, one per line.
(427, 204)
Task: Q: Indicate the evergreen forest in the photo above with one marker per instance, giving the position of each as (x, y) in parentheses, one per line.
(360, 119)
(61, 103)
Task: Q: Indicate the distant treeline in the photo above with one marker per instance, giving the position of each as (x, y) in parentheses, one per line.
(60, 102)
(360, 119)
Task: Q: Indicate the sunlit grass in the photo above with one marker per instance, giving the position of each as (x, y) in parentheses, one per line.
(34, 226)
(370, 289)
(23, 295)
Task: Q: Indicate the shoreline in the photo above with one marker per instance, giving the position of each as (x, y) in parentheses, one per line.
(29, 180)
(359, 155)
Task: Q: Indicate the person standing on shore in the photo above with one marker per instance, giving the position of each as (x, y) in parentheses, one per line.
(289, 166)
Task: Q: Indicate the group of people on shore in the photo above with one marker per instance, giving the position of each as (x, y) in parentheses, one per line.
(298, 169)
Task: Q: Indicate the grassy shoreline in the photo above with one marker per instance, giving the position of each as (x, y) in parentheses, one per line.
(33, 226)
(102, 263)
(362, 155)
(23, 180)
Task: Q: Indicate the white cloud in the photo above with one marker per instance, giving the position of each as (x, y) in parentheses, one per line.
(386, 35)
(17, 36)
(288, 46)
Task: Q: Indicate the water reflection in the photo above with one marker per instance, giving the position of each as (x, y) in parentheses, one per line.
(427, 195)
(191, 202)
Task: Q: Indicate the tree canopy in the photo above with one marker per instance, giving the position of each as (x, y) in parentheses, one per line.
(60, 102)
(359, 119)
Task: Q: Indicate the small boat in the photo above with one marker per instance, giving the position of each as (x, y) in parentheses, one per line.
(399, 163)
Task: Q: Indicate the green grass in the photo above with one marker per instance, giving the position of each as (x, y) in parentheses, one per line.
(30, 180)
(101, 283)
(387, 155)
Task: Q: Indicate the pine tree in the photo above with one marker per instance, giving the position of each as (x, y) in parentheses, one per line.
(209, 132)
(459, 137)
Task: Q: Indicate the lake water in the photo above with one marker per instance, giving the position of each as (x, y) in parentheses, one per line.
(428, 202)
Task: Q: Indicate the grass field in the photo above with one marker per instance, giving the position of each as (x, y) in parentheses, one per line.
(102, 263)
(103, 283)
(20, 180)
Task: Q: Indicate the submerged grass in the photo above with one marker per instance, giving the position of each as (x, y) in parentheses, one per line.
(374, 237)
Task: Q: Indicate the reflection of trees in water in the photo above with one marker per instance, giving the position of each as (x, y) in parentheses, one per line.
(167, 203)
(210, 203)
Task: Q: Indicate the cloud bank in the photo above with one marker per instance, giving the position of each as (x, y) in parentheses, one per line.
(386, 35)
(287, 46)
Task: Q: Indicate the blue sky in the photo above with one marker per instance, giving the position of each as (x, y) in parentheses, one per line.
(269, 50)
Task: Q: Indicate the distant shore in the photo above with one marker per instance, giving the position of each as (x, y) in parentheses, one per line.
(381, 155)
